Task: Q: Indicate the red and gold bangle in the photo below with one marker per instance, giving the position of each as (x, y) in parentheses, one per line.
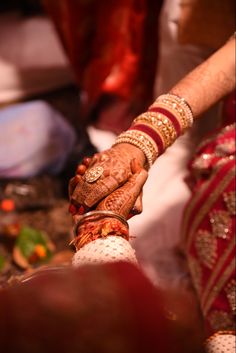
(162, 126)
(176, 107)
(93, 229)
(159, 127)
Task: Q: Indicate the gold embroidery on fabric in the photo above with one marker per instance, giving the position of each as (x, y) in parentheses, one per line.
(226, 147)
(204, 210)
(231, 295)
(196, 273)
(206, 247)
(217, 270)
(190, 207)
(230, 201)
(202, 162)
(219, 286)
(220, 223)
(222, 161)
(221, 320)
(216, 136)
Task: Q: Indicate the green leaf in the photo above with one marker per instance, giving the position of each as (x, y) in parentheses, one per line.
(28, 238)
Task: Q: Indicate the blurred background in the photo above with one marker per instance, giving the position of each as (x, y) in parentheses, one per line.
(74, 74)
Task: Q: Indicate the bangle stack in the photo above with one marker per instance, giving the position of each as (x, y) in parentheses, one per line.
(102, 236)
(178, 110)
(99, 224)
(143, 141)
(154, 131)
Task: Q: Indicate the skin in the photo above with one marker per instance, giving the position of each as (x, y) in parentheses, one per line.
(201, 88)
(122, 201)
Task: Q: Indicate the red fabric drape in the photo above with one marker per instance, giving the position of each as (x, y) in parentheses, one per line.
(112, 47)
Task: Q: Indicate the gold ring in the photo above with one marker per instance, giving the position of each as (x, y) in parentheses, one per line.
(93, 174)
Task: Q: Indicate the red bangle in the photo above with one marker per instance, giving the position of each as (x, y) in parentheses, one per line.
(170, 116)
(92, 230)
(152, 133)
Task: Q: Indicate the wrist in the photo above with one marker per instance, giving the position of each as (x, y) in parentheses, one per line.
(134, 151)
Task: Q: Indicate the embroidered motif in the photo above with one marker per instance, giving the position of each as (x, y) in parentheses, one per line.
(230, 200)
(206, 205)
(221, 320)
(217, 135)
(219, 286)
(231, 295)
(222, 161)
(220, 223)
(217, 269)
(196, 273)
(226, 147)
(202, 162)
(206, 247)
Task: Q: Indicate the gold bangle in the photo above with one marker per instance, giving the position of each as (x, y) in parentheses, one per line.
(97, 215)
(161, 124)
(177, 105)
(142, 141)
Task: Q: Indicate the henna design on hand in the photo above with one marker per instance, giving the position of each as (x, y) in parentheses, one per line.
(122, 200)
(117, 170)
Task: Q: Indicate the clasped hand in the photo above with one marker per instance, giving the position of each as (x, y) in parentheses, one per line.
(111, 180)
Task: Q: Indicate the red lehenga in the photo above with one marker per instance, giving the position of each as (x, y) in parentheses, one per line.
(209, 225)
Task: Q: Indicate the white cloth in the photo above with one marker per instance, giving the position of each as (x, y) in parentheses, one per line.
(110, 249)
(221, 343)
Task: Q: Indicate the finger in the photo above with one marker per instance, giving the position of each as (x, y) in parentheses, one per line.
(73, 183)
(81, 169)
(122, 200)
(103, 188)
(89, 194)
(135, 166)
(138, 206)
(76, 218)
(86, 161)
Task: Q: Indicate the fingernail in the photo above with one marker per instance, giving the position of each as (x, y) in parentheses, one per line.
(81, 169)
(86, 161)
(81, 210)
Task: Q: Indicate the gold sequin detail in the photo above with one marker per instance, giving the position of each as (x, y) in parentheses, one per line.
(206, 206)
(218, 267)
(202, 162)
(222, 161)
(220, 223)
(230, 201)
(226, 147)
(221, 320)
(206, 247)
(230, 291)
(215, 136)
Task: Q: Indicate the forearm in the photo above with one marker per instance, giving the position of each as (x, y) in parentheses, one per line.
(174, 112)
(210, 81)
